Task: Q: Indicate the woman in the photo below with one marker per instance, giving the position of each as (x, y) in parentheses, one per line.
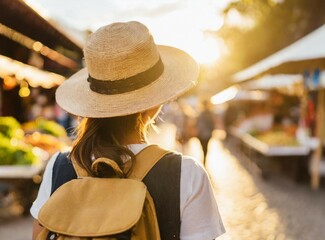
(119, 94)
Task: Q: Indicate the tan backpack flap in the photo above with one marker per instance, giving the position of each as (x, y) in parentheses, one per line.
(74, 210)
(146, 159)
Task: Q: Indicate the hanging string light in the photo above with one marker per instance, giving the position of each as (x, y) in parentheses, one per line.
(24, 90)
(14, 72)
(9, 82)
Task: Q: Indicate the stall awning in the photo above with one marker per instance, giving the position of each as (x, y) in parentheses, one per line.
(236, 93)
(268, 82)
(34, 76)
(17, 15)
(310, 47)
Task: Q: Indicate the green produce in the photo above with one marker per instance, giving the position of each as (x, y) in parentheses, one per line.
(45, 126)
(15, 152)
(277, 138)
(10, 128)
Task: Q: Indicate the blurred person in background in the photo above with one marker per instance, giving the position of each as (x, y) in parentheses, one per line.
(205, 125)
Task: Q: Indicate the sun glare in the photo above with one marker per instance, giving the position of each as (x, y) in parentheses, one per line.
(207, 51)
(204, 49)
(190, 33)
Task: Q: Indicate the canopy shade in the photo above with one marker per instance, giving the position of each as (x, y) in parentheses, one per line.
(17, 15)
(309, 51)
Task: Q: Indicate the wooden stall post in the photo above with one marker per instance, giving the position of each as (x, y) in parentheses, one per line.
(317, 154)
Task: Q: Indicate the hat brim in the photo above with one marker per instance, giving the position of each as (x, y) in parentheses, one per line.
(180, 74)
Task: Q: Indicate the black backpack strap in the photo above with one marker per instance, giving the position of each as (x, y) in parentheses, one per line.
(62, 172)
(145, 160)
(163, 183)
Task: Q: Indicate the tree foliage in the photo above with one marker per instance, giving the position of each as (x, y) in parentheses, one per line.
(277, 23)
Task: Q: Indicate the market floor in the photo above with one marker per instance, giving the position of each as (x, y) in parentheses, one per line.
(16, 228)
(254, 209)
(251, 208)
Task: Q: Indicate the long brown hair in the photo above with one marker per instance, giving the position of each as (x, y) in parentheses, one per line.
(104, 137)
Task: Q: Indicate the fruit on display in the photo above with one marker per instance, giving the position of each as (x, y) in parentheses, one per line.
(45, 126)
(46, 134)
(44, 141)
(277, 138)
(13, 150)
(16, 152)
(21, 144)
(11, 128)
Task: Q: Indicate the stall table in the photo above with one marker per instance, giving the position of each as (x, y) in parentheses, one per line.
(23, 181)
(292, 160)
(273, 151)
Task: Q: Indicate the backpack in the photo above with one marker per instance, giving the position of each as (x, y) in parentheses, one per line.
(104, 208)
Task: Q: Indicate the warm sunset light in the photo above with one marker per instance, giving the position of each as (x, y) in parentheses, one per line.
(217, 105)
(184, 24)
(207, 51)
(188, 29)
(204, 48)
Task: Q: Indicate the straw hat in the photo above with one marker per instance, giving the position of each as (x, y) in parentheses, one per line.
(126, 72)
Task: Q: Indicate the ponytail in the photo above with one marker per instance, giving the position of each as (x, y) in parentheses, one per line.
(104, 137)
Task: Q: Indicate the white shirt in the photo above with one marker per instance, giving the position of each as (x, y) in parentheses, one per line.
(200, 218)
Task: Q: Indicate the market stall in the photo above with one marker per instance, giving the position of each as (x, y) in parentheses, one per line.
(24, 151)
(32, 65)
(304, 58)
(266, 129)
(277, 149)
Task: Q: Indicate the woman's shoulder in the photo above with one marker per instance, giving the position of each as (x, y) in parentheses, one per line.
(52, 160)
(192, 170)
(61, 158)
(192, 163)
(56, 158)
